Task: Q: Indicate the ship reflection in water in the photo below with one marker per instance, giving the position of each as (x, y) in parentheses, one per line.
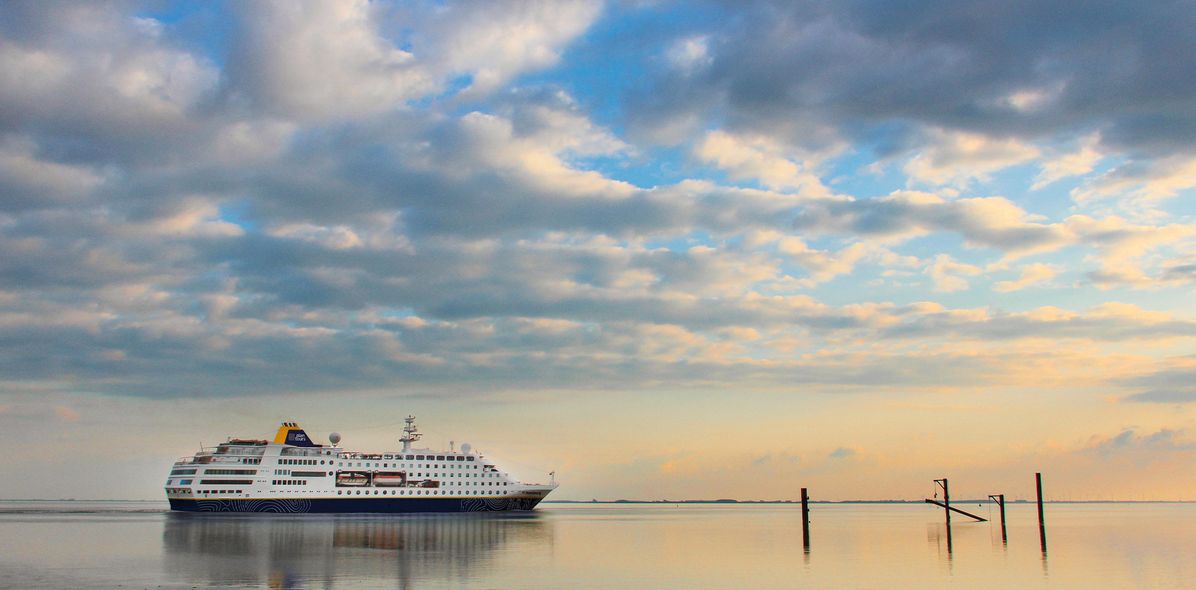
(398, 551)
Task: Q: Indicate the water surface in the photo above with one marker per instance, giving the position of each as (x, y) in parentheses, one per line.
(140, 545)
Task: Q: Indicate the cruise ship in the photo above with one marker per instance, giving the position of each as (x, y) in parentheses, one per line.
(293, 474)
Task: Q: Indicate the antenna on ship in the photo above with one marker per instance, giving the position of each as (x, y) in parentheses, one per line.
(410, 433)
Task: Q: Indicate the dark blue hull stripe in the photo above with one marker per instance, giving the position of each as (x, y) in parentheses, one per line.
(350, 505)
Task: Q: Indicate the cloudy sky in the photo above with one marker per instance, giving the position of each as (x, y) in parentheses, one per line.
(696, 249)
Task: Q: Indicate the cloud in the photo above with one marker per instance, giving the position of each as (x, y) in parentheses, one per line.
(494, 42)
(943, 93)
(822, 265)
(1082, 161)
(1122, 244)
(956, 158)
(1169, 385)
(355, 196)
(1130, 441)
(690, 54)
(842, 453)
(316, 60)
(1031, 274)
(1164, 396)
(993, 222)
(759, 159)
(86, 82)
(1141, 180)
(948, 274)
(28, 181)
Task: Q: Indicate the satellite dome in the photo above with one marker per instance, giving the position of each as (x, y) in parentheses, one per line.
(334, 438)
(465, 448)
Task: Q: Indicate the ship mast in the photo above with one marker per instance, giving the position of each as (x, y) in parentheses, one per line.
(410, 433)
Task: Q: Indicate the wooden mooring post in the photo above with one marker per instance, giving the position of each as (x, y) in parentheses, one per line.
(805, 519)
(1041, 520)
(1000, 500)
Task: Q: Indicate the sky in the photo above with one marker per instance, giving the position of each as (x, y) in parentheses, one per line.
(664, 249)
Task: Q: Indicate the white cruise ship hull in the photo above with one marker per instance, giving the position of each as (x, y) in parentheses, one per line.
(387, 505)
(292, 474)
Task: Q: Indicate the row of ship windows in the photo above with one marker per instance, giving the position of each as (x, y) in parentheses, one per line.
(214, 471)
(218, 482)
(299, 482)
(339, 492)
(391, 456)
(364, 464)
(416, 492)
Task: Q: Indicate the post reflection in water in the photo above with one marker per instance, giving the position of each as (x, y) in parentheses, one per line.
(289, 552)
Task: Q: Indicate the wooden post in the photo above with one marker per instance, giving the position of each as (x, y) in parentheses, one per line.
(805, 519)
(1041, 520)
(946, 510)
(946, 499)
(1000, 500)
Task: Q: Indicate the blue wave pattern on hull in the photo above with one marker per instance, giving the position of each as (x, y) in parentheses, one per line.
(360, 505)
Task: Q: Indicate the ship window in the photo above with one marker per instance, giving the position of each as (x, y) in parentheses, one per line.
(440, 457)
(469, 458)
(185, 482)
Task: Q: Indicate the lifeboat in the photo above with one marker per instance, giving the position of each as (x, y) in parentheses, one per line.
(390, 479)
(352, 479)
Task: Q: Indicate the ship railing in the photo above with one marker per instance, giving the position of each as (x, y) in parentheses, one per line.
(315, 452)
(361, 455)
(250, 451)
(207, 458)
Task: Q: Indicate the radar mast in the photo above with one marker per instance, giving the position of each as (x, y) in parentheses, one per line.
(410, 433)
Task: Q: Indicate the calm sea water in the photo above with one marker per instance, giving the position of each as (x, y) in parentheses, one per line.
(140, 545)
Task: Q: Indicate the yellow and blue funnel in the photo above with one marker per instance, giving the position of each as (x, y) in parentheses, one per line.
(290, 434)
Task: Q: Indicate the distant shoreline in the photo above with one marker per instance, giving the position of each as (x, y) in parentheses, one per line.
(960, 501)
(719, 501)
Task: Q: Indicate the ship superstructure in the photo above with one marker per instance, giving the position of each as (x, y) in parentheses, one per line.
(294, 474)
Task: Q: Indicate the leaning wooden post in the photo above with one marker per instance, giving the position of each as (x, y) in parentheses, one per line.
(1041, 520)
(805, 519)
